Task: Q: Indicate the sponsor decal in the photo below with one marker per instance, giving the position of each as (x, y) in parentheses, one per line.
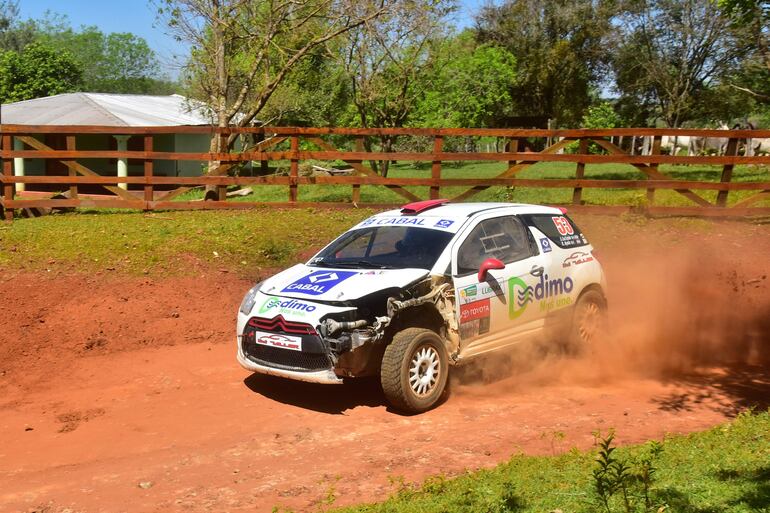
(475, 293)
(475, 310)
(545, 245)
(381, 221)
(577, 258)
(469, 291)
(317, 283)
(444, 223)
(550, 294)
(277, 340)
(287, 306)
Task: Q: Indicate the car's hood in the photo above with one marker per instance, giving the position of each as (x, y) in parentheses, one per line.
(323, 284)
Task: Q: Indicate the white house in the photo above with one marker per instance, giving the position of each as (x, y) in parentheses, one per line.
(115, 110)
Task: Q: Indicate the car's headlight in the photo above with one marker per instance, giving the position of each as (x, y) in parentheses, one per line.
(249, 299)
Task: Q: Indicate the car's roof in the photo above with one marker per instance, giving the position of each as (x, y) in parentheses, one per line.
(468, 209)
(450, 216)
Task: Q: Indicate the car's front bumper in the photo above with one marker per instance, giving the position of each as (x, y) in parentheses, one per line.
(326, 376)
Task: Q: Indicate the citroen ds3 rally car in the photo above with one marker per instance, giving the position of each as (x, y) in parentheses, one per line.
(408, 293)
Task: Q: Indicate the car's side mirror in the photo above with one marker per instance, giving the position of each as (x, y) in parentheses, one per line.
(487, 265)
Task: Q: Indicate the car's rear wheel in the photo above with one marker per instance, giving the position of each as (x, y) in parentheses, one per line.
(589, 321)
(414, 370)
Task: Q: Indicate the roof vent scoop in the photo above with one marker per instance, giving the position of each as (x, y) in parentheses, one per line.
(421, 206)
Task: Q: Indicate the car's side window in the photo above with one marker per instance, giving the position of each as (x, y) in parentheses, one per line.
(504, 238)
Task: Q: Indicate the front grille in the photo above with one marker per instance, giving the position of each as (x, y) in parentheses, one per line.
(285, 358)
(313, 357)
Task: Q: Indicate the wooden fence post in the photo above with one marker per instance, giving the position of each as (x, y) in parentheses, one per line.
(435, 171)
(72, 146)
(264, 165)
(577, 192)
(727, 171)
(222, 189)
(655, 151)
(294, 169)
(9, 189)
(149, 194)
(359, 147)
(513, 147)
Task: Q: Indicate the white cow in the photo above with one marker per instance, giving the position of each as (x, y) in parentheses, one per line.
(674, 143)
(709, 145)
(758, 146)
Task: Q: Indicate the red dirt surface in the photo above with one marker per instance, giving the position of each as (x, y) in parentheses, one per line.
(122, 394)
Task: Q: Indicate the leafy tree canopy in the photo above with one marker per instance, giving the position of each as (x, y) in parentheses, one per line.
(562, 48)
(39, 70)
(89, 59)
(471, 86)
(118, 62)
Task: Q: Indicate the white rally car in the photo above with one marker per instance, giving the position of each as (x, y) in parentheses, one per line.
(408, 293)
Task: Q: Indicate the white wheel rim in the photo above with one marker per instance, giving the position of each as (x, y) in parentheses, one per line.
(424, 370)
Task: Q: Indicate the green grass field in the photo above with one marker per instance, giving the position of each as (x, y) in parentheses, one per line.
(725, 469)
(631, 197)
(162, 243)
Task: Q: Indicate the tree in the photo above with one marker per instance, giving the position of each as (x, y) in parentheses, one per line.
(14, 34)
(37, 71)
(387, 62)
(561, 48)
(243, 50)
(315, 93)
(112, 63)
(753, 17)
(674, 50)
(471, 86)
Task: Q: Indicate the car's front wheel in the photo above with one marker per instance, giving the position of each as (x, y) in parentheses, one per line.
(414, 370)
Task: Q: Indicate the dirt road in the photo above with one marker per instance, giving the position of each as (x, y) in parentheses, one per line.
(122, 393)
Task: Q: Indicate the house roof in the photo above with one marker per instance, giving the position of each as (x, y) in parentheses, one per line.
(107, 110)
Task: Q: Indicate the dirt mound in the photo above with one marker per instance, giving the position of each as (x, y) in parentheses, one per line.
(55, 319)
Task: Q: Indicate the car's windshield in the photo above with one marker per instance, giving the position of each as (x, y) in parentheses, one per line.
(385, 247)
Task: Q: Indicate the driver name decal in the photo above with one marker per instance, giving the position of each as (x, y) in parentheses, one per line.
(317, 283)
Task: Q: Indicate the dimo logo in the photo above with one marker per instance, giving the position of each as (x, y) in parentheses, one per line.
(287, 304)
(521, 294)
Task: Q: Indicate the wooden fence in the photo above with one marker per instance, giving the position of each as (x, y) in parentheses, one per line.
(295, 145)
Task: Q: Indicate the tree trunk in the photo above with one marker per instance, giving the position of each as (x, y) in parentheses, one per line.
(387, 147)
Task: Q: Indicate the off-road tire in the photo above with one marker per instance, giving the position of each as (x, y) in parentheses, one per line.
(589, 318)
(414, 350)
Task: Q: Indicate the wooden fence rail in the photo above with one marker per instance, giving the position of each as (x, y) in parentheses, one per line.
(294, 145)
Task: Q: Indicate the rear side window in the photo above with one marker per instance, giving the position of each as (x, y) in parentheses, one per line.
(503, 238)
(559, 228)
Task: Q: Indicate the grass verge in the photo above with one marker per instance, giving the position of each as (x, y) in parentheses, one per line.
(171, 243)
(725, 469)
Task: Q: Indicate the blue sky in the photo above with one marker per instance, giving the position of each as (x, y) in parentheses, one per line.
(139, 17)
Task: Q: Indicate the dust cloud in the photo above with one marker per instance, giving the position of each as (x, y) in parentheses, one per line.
(672, 312)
